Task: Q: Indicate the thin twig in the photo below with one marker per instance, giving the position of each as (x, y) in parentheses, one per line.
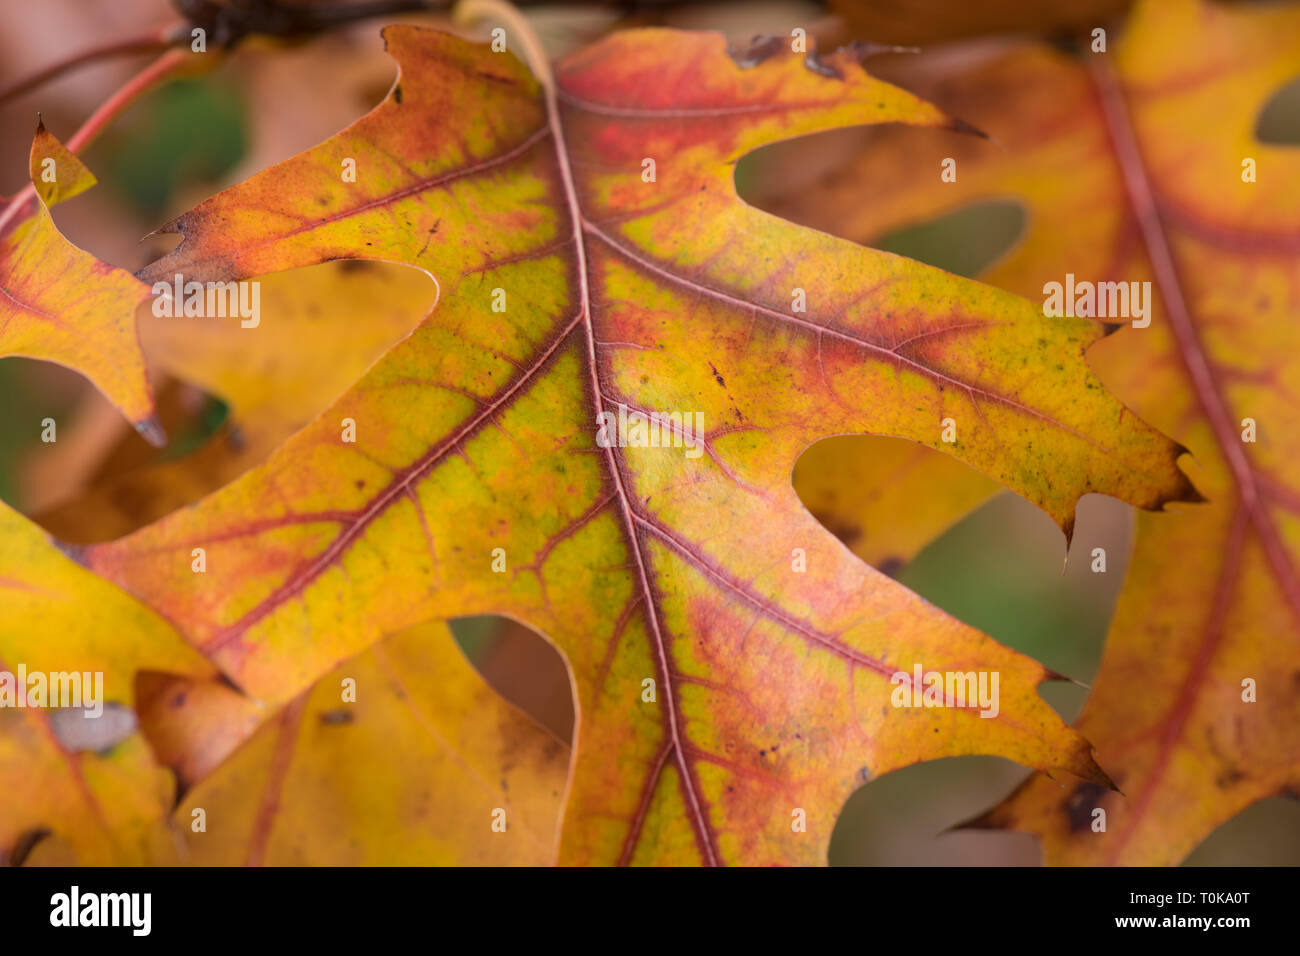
(148, 42)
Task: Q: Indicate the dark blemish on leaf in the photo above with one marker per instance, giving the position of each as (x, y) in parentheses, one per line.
(864, 774)
(1229, 777)
(1080, 804)
(333, 718)
(891, 565)
(397, 95)
(716, 376)
(762, 753)
(433, 231)
(360, 483)
(848, 533)
(496, 78)
(235, 439)
(179, 700)
(760, 49)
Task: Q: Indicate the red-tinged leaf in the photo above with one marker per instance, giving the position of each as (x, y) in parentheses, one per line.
(1194, 708)
(732, 661)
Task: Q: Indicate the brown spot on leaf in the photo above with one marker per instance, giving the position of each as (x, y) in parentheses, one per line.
(337, 717)
(1228, 778)
(891, 565)
(848, 533)
(1080, 804)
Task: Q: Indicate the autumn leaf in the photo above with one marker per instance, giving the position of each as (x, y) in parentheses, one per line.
(731, 660)
(63, 305)
(426, 766)
(90, 784)
(1194, 707)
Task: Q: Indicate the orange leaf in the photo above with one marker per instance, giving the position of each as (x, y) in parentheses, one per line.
(734, 665)
(1210, 611)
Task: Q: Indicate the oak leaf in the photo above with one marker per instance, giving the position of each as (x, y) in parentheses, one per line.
(1194, 708)
(732, 662)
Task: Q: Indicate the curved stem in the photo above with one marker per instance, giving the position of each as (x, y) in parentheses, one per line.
(157, 71)
(144, 43)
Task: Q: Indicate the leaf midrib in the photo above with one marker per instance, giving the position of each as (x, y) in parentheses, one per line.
(580, 226)
(1250, 503)
(700, 824)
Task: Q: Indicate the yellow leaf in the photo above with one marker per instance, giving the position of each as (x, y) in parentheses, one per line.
(63, 305)
(734, 665)
(90, 782)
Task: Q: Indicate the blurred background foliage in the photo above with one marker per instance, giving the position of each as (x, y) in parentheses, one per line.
(1003, 569)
